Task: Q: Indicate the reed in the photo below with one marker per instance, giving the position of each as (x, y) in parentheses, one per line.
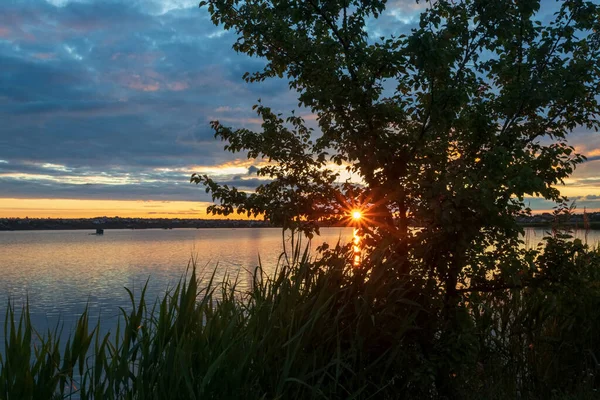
(315, 330)
(288, 337)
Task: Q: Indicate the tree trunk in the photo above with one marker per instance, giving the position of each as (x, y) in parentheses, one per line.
(445, 380)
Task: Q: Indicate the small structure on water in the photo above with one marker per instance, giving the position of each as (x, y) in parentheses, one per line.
(99, 231)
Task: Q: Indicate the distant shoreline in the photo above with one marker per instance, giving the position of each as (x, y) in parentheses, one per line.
(30, 224)
(592, 225)
(55, 224)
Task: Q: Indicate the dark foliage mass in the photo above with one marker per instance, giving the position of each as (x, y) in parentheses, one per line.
(449, 128)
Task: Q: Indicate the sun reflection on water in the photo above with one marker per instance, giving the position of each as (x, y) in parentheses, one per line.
(356, 247)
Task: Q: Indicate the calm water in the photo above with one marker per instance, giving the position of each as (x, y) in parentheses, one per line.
(62, 271)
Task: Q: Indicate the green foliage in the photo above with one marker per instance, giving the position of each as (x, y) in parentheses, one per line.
(449, 127)
(301, 191)
(294, 335)
(325, 329)
(545, 334)
(32, 366)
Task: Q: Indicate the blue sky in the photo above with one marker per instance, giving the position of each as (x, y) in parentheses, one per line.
(111, 101)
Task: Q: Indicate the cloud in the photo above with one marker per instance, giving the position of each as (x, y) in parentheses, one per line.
(42, 189)
(539, 205)
(117, 84)
(399, 17)
(44, 56)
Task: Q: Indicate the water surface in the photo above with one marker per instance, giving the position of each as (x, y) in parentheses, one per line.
(60, 272)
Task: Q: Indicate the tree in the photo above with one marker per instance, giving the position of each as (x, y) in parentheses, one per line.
(449, 127)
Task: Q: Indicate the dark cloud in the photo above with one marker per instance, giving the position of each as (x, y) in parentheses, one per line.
(244, 184)
(112, 92)
(165, 188)
(45, 189)
(590, 202)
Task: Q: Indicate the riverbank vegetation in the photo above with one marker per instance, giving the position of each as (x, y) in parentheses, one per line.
(326, 329)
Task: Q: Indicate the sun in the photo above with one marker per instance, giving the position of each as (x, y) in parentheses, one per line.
(356, 215)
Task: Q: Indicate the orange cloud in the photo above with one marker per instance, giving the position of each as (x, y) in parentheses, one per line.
(236, 167)
(177, 86)
(150, 81)
(45, 56)
(238, 120)
(227, 109)
(592, 153)
(73, 208)
(138, 83)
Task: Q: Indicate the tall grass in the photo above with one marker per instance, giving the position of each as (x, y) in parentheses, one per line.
(319, 330)
(293, 335)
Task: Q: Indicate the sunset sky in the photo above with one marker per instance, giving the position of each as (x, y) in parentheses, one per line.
(105, 108)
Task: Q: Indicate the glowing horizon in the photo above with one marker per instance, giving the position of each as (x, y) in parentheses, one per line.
(87, 208)
(73, 208)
